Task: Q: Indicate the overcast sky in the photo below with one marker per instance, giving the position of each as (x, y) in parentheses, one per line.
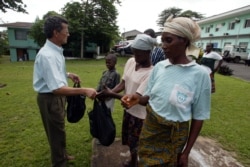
(133, 14)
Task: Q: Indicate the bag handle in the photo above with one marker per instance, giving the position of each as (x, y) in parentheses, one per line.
(77, 85)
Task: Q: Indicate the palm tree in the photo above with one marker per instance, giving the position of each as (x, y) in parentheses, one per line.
(176, 12)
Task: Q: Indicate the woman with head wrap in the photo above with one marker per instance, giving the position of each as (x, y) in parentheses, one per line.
(178, 91)
(134, 80)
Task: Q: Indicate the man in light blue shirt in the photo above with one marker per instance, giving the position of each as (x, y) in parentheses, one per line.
(50, 81)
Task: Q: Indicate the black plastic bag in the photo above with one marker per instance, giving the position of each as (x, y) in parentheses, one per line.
(76, 106)
(101, 122)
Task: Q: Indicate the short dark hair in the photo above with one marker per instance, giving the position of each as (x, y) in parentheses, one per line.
(150, 32)
(112, 56)
(53, 23)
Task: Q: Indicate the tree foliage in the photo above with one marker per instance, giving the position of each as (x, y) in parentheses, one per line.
(177, 12)
(4, 43)
(15, 5)
(92, 21)
(191, 14)
(36, 31)
(95, 20)
(75, 15)
(166, 13)
(103, 18)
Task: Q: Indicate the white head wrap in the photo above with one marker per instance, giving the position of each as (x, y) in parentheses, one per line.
(186, 28)
(143, 42)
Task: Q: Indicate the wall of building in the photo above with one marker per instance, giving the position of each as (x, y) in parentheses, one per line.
(220, 34)
(21, 50)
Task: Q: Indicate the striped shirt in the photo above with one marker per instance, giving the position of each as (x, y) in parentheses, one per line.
(157, 55)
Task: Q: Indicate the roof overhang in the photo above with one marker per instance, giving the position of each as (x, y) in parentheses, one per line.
(226, 15)
(25, 25)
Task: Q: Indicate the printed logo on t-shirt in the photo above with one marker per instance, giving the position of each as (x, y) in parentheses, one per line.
(181, 97)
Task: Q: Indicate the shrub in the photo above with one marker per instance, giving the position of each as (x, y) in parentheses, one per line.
(225, 70)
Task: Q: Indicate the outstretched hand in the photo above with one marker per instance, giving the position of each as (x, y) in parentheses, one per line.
(104, 93)
(90, 92)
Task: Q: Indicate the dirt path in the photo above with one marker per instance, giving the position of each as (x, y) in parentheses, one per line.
(205, 153)
(208, 153)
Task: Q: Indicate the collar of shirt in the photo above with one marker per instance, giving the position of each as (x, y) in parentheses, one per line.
(54, 46)
(168, 63)
(112, 70)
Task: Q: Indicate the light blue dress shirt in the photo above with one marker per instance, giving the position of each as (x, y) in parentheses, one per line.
(49, 69)
(179, 92)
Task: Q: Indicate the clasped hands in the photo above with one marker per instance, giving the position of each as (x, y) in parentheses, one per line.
(104, 93)
(127, 101)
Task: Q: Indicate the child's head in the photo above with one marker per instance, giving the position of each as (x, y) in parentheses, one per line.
(111, 60)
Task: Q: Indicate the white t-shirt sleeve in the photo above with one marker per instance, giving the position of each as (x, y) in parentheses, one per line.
(216, 56)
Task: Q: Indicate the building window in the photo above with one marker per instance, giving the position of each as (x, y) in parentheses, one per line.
(243, 45)
(218, 27)
(247, 23)
(215, 44)
(227, 43)
(21, 34)
(200, 44)
(231, 26)
(207, 29)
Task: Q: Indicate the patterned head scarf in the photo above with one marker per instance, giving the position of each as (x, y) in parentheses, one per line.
(143, 42)
(186, 28)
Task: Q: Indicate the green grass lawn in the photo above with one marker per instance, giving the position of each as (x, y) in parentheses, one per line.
(22, 138)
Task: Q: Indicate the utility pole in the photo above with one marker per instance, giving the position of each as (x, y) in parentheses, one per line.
(123, 34)
(82, 43)
(83, 28)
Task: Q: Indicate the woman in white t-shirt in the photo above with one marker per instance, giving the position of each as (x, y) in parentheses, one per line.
(208, 61)
(134, 80)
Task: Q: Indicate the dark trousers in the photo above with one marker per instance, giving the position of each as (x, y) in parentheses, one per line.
(52, 109)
